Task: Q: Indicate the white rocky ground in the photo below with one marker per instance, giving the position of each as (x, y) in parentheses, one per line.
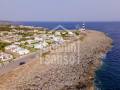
(70, 67)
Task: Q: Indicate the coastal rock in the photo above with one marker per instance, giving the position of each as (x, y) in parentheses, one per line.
(71, 67)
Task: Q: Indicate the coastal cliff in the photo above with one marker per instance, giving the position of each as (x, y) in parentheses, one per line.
(69, 67)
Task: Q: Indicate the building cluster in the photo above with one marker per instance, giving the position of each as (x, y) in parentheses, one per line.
(22, 42)
(16, 50)
(10, 38)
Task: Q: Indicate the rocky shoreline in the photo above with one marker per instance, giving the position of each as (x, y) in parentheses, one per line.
(69, 67)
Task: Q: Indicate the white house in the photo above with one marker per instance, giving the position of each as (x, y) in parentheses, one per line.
(38, 46)
(17, 43)
(70, 33)
(39, 39)
(57, 33)
(58, 40)
(12, 26)
(30, 41)
(23, 51)
(45, 44)
(10, 47)
(5, 57)
(28, 37)
(22, 42)
(16, 49)
(41, 45)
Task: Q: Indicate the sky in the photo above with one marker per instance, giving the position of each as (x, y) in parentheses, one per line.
(60, 10)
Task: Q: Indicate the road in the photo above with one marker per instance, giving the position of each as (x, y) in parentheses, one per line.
(16, 63)
(27, 58)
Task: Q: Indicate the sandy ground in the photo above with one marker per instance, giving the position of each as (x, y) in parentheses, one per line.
(69, 67)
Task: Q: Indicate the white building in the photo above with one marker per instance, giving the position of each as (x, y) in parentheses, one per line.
(45, 44)
(30, 41)
(17, 43)
(12, 26)
(57, 33)
(5, 57)
(23, 51)
(38, 46)
(70, 33)
(16, 49)
(39, 39)
(11, 47)
(58, 40)
(41, 45)
(83, 29)
(22, 26)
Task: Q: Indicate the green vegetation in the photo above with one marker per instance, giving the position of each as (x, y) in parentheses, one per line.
(53, 32)
(5, 28)
(1, 62)
(49, 32)
(49, 42)
(3, 45)
(64, 33)
(77, 33)
(23, 39)
(82, 38)
(22, 28)
(26, 34)
(26, 43)
(32, 49)
(46, 53)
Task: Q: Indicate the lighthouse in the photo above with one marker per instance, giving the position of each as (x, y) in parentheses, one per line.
(83, 27)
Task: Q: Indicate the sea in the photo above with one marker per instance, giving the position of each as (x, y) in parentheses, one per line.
(108, 76)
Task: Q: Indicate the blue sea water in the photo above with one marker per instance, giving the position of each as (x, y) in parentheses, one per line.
(108, 76)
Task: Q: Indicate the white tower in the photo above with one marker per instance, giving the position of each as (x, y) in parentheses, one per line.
(82, 29)
(83, 26)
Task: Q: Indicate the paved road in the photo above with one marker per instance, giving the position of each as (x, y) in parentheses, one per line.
(27, 58)
(10, 66)
(16, 63)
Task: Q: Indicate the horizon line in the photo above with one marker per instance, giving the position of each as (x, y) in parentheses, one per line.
(51, 21)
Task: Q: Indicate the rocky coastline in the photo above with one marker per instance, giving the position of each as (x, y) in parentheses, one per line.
(69, 67)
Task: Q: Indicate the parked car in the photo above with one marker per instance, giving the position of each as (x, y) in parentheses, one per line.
(21, 63)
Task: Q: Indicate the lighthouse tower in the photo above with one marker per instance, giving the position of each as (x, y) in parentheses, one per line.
(83, 27)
